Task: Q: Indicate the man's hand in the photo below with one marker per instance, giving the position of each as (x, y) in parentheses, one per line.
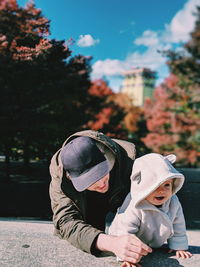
(128, 248)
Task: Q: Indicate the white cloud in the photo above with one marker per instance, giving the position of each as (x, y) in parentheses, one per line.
(178, 30)
(151, 58)
(149, 38)
(182, 24)
(108, 67)
(112, 68)
(87, 40)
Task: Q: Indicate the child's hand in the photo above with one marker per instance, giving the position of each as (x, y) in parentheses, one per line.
(182, 253)
(128, 264)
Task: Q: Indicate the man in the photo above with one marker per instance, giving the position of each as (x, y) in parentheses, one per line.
(90, 178)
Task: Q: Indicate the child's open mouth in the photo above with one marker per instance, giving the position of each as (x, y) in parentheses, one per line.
(159, 198)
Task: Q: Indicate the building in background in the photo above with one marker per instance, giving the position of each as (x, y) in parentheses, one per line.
(139, 84)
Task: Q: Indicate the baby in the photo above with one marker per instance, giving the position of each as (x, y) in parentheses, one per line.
(151, 210)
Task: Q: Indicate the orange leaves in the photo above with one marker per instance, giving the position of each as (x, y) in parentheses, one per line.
(100, 88)
(132, 114)
(26, 53)
(102, 118)
(105, 114)
(122, 100)
(131, 119)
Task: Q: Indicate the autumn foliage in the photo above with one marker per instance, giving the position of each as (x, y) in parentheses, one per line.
(46, 93)
(132, 113)
(23, 32)
(43, 88)
(106, 115)
(173, 117)
(173, 120)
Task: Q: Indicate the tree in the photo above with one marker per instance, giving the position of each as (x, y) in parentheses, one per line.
(104, 114)
(173, 117)
(21, 39)
(114, 114)
(133, 122)
(43, 88)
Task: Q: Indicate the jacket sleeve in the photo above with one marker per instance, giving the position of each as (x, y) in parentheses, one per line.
(126, 221)
(179, 239)
(67, 218)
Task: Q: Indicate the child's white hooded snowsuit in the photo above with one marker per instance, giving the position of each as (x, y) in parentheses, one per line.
(153, 225)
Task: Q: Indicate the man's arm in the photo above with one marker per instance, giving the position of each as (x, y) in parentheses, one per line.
(70, 225)
(123, 240)
(67, 218)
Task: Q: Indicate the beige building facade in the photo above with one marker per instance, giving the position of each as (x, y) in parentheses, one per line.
(139, 85)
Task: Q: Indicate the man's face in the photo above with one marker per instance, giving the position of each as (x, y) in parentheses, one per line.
(100, 186)
(161, 194)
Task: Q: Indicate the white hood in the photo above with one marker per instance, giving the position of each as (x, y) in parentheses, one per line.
(149, 172)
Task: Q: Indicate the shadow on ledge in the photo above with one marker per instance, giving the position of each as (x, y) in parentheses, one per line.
(160, 257)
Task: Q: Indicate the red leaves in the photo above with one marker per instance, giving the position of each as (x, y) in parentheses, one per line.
(102, 119)
(173, 122)
(106, 114)
(100, 88)
(26, 53)
(24, 31)
(8, 4)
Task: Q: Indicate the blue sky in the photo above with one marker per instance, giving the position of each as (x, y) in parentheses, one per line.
(121, 34)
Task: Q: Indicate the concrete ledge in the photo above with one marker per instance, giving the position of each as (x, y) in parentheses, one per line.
(31, 243)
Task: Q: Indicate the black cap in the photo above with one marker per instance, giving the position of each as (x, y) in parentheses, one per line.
(84, 162)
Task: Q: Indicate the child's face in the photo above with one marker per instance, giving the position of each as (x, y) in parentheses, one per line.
(161, 194)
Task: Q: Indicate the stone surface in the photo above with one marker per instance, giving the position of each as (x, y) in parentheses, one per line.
(31, 243)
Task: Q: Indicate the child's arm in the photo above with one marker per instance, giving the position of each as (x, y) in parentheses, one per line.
(182, 253)
(178, 241)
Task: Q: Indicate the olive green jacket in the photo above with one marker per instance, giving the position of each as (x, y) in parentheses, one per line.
(79, 217)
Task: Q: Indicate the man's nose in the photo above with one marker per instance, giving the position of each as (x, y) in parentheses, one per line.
(101, 182)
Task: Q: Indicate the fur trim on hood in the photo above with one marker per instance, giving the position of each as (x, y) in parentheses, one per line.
(149, 172)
